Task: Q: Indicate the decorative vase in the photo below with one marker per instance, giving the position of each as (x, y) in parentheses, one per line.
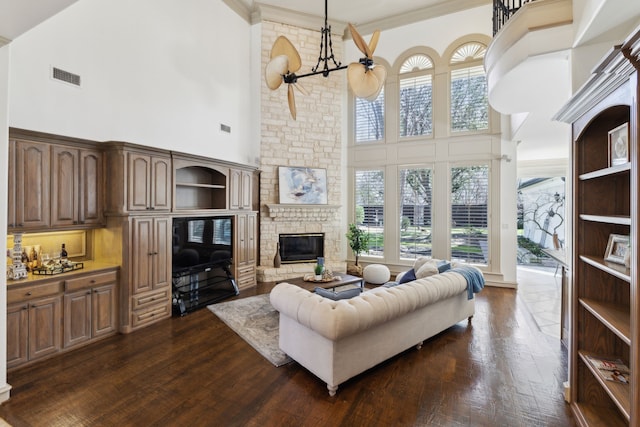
(277, 260)
(556, 241)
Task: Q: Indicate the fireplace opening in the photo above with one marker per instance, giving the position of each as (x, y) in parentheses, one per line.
(301, 247)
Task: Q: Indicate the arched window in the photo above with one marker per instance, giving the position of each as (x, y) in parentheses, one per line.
(416, 96)
(469, 101)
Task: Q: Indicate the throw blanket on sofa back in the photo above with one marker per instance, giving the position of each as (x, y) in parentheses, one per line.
(337, 319)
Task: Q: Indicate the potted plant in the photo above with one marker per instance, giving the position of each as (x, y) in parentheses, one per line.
(359, 242)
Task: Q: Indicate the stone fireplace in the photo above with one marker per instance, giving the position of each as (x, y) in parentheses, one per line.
(314, 140)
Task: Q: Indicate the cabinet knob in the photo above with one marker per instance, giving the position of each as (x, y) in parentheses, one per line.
(92, 281)
(24, 307)
(28, 294)
(88, 293)
(75, 222)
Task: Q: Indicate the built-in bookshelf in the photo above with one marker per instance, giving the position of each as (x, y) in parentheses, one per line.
(606, 202)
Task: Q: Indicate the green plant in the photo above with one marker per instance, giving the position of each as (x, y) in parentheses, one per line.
(319, 269)
(358, 240)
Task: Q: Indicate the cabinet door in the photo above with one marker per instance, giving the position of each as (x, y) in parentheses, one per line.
(32, 185)
(91, 185)
(252, 221)
(142, 253)
(103, 310)
(17, 334)
(11, 190)
(77, 317)
(160, 183)
(246, 185)
(241, 241)
(64, 185)
(235, 189)
(44, 327)
(139, 169)
(161, 258)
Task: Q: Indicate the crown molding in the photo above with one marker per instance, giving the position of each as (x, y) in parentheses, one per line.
(441, 9)
(4, 41)
(265, 12)
(240, 8)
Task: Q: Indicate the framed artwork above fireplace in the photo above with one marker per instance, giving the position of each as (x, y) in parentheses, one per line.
(300, 185)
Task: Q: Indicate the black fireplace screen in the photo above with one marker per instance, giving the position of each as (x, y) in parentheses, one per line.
(301, 247)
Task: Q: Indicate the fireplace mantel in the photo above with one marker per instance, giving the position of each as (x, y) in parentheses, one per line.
(299, 212)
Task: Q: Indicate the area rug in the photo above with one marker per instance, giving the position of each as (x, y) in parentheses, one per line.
(257, 322)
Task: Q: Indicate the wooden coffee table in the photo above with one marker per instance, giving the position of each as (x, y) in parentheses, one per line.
(340, 279)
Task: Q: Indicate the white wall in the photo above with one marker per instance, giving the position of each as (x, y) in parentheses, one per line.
(4, 148)
(154, 72)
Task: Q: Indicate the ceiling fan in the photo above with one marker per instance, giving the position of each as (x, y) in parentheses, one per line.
(365, 78)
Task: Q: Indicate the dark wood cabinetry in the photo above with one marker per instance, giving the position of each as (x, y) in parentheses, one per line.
(48, 316)
(149, 182)
(29, 190)
(54, 183)
(245, 249)
(606, 196)
(240, 189)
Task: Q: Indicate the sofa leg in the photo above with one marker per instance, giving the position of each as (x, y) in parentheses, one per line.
(419, 345)
(469, 319)
(332, 390)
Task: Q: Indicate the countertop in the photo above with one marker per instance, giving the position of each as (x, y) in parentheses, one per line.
(89, 267)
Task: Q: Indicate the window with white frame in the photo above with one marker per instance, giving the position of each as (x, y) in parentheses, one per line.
(369, 208)
(415, 212)
(416, 96)
(369, 119)
(470, 214)
(468, 94)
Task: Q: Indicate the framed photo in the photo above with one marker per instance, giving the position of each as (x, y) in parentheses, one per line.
(619, 145)
(617, 248)
(302, 185)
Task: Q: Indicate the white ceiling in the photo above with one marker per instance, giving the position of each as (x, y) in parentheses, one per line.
(19, 16)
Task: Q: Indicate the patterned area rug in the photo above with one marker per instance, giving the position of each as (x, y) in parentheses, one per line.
(256, 321)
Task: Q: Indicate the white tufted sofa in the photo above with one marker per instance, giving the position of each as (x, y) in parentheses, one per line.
(337, 340)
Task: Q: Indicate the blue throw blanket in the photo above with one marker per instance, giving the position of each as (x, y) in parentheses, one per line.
(475, 279)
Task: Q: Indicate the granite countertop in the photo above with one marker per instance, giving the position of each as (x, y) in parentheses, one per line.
(88, 267)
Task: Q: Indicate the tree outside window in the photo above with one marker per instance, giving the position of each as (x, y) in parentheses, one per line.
(370, 198)
(415, 208)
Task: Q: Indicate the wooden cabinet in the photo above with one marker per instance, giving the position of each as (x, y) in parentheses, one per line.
(33, 330)
(245, 249)
(150, 271)
(76, 186)
(240, 189)
(48, 316)
(149, 182)
(90, 306)
(29, 191)
(606, 201)
(53, 183)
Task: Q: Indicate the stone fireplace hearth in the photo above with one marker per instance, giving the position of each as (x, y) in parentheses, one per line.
(283, 219)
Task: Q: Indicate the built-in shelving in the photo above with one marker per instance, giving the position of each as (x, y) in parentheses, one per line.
(199, 187)
(606, 201)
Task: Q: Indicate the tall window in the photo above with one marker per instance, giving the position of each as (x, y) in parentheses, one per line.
(416, 94)
(470, 214)
(369, 205)
(469, 100)
(369, 119)
(415, 208)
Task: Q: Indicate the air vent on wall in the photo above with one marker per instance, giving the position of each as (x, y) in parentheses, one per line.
(65, 76)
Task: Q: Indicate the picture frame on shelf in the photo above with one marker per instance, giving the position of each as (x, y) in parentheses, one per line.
(301, 185)
(619, 145)
(617, 248)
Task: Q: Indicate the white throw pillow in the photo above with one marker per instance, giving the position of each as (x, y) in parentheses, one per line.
(427, 269)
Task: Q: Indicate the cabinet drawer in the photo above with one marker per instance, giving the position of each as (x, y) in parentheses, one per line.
(90, 281)
(244, 270)
(33, 291)
(244, 282)
(150, 315)
(151, 298)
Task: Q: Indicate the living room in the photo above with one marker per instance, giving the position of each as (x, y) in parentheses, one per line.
(171, 77)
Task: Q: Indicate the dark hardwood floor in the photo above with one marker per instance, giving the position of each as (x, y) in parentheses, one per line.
(194, 371)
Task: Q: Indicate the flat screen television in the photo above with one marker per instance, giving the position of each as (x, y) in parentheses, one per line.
(202, 242)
